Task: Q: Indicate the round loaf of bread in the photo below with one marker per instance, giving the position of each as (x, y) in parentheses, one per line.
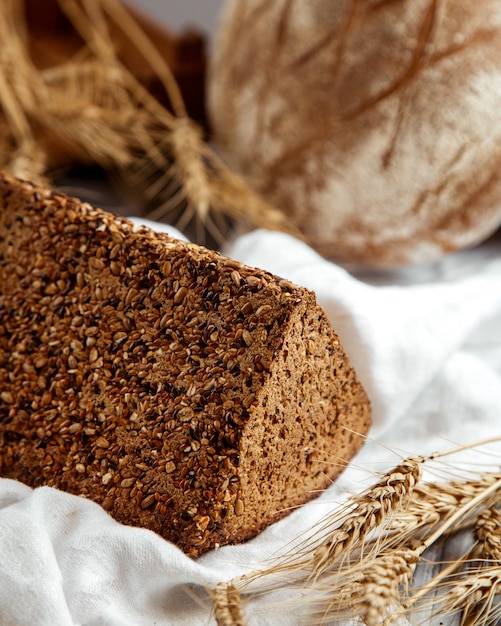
(184, 392)
(376, 126)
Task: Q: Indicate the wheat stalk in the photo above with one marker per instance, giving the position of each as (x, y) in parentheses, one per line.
(16, 99)
(369, 589)
(370, 510)
(433, 502)
(341, 537)
(457, 515)
(378, 592)
(95, 111)
(360, 564)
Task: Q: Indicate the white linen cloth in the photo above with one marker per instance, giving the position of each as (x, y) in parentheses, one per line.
(426, 343)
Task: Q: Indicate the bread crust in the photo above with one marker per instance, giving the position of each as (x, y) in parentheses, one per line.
(182, 391)
(375, 126)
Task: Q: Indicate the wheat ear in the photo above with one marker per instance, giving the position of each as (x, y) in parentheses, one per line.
(380, 586)
(397, 491)
(431, 503)
(227, 605)
(437, 533)
(375, 589)
(488, 534)
(369, 590)
(370, 510)
(473, 595)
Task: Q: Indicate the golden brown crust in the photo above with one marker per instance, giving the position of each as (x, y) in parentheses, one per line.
(184, 392)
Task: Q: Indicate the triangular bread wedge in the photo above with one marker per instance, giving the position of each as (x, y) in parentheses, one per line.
(184, 392)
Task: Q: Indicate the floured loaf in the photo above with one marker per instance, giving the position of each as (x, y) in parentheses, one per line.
(184, 392)
(374, 126)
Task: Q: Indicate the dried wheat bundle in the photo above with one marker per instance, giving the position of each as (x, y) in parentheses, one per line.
(92, 109)
(360, 563)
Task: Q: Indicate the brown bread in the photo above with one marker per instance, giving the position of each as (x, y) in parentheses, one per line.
(184, 392)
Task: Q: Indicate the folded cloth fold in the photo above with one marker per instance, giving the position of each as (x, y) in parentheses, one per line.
(426, 343)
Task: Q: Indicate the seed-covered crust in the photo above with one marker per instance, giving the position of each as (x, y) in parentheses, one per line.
(182, 391)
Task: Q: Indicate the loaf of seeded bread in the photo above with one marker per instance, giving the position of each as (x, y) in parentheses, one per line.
(182, 391)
